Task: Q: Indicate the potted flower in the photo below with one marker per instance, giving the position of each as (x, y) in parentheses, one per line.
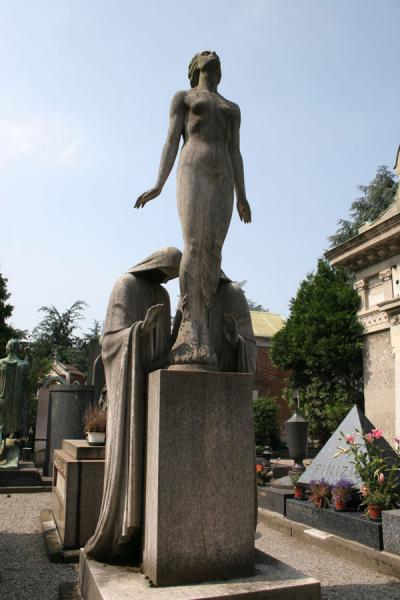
(320, 492)
(297, 489)
(95, 423)
(262, 475)
(341, 493)
(378, 473)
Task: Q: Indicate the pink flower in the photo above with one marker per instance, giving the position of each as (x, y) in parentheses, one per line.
(350, 438)
(377, 433)
(369, 438)
(364, 491)
(381, 478)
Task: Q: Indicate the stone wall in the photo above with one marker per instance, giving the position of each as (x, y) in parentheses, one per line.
(379, 382)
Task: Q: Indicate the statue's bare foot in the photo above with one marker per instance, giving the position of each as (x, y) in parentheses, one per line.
(192, 349)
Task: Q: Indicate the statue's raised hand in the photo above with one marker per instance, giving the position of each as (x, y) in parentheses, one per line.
(243, 208)
(147, 196)
(229, 327)
(152, 316)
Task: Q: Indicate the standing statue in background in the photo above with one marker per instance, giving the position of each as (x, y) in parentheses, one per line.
(210, 169)
(13, 383)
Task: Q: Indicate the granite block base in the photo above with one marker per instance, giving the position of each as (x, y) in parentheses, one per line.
(391, 530)
(351, 525)
(274, 499)
(77, 491)
(273, 580)
(200, 438)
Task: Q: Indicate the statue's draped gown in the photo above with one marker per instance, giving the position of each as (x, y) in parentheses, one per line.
(13, 376)
(128, 356)
(205, 188)
(230, 299)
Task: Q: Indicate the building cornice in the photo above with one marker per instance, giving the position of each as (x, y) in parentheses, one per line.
(369, 247)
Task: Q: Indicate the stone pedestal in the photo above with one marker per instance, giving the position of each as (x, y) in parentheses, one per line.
(77, 491)
(391, 530)
(273, 580)
(200, 477)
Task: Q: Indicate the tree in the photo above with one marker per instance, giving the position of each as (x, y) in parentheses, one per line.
(374, 199)
(266, 421)
(321, 346)
(55, 334)
(6, 331)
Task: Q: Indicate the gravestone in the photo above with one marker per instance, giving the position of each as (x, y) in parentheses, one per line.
(67, 403)
(326, 466)
(77, 491)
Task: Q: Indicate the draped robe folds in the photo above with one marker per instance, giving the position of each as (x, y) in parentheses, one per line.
(127, 355)
(230, 299)
(13, 379)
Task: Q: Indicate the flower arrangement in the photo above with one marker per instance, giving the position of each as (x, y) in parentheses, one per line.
(341, 493)
(378, 473)
(320, 492)
(94, 419)
(261, 474)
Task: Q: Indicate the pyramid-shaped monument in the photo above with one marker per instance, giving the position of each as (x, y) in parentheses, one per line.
(326, 466)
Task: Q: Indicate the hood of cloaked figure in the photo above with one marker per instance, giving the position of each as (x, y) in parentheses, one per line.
(166, 260)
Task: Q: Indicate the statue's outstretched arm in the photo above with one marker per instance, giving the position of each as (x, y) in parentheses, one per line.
(170, 150)
(243, 206)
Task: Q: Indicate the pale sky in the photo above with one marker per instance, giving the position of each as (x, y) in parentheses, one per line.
(86, 88)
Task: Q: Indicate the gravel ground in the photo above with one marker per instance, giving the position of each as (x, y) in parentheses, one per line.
(25, 571)
(27, 574)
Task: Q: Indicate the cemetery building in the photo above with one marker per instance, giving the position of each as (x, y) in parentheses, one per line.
(269, 380)
(373, 255)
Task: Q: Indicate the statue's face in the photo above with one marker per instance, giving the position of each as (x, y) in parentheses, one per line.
(208, 59)
(12, 346)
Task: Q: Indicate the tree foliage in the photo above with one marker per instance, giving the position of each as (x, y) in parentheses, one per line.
(6, 331)
(266, 425)
(55, 335)
(321, 346)
(374, 199)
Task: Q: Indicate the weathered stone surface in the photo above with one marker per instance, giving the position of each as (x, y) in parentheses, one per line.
(391, 530)
(351, 525)
(200, 439)
(210, 169)
(379, 381)
(273, 580)
(81, 450)
(67, 403)
(77, 493)
(274, 499)
(326, 466)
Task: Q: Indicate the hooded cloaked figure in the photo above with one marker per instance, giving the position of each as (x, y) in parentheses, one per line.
(231, 331)
(136, 340)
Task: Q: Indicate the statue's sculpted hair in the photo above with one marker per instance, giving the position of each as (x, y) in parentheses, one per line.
(194, 71)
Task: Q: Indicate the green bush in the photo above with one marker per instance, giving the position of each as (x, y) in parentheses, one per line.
(266, 425)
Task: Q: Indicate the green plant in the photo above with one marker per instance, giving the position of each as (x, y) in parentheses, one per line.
(294, 477)
(266, 421)
(321, 347)
(378, 473)
(94, 419)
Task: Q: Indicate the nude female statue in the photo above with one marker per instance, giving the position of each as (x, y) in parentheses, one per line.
(210, 169)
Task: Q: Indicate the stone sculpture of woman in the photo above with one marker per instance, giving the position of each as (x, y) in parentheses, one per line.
(210, 170)
(13, 381)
